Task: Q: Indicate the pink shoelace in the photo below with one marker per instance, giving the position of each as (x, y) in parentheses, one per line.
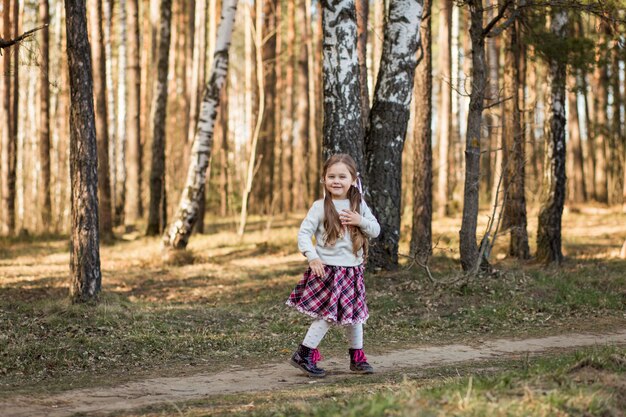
(358, 356)
(316, 356)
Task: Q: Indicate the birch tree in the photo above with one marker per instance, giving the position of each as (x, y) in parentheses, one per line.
(550, 215)
(85, 275)
(156, 222)
(343, 126)
(178, 233)
(387, 126)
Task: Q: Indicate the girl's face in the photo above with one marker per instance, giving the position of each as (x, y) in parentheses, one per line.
(338, 181)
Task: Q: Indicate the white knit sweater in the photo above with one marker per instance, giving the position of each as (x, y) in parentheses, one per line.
(340, 254)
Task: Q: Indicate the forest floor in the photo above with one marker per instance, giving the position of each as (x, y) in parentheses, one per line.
(218, 312)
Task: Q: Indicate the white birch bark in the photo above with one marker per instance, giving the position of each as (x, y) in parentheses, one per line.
(388, 124)
(178, 233)
(343, 129)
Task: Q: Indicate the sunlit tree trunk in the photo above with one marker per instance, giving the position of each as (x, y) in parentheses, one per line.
(156, 222)
(107, 30)
(134, 207)
(445, 105)
(302, 132)
(421, 234)
(492, 158)
(513, 144)
(290, 183)
(577, 192)
(549, 226)
(387, 127)
(600, 126)
(102, 126)
(615, 148)
(45, 201)
(362, 13)
(197, 72)
(85, 276)
(8, 145)
(178, 233)
(343, 124)
(120, 122)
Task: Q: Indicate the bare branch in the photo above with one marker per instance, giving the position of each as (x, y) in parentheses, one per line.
(8, 43)
(497, 18)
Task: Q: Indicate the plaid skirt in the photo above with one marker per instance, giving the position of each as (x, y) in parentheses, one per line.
(338, 297)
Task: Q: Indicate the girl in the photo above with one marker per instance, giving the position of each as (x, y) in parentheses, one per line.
(332, 289)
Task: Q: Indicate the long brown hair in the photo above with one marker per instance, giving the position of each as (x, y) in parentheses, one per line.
(332, 223)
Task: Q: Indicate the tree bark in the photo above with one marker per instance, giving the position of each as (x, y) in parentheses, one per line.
(362, 13)
(290, 184)
(578, 192)
(513, 144)
(102, 130)
(388, 123)
(85, 275)
(302, 145)
(615, 148)
(156, 222)
(197, 73)
(121, 121)
(468, 247)
(549, 226)
(178, 233)
(343, 123)
(134, 206)
(45, 201)
(421, 234)
(8, 145)
(600, 126)
(445, 106)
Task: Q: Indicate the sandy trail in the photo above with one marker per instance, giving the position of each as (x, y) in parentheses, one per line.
(281, 376)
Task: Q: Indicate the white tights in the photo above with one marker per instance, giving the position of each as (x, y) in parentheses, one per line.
(318, 330)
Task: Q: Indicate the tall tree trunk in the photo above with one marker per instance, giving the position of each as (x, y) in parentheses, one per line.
(5, 211)
(578, 193)
(178, 233)
(85, 275)
(549, 226)
(121, 122)
(615, 150)
(107, 30)
(302, 135)
(590, 166)
(197, 72)
(362, 13)
(278, 196)
(343, 124)
(223, 149)
(492, 118)
(468, 246)
(421, 235)
(156, 223)
(513, 144)
(388, 123)
(445, 103)
(600, 125)
(45, 202)
(134, 207)
(313, 150)
(290, 184)
(377, 40)
(102, 130)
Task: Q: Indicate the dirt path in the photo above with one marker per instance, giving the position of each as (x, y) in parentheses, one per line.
(281, 376)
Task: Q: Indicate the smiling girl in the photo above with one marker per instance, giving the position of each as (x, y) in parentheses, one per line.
(332, 289)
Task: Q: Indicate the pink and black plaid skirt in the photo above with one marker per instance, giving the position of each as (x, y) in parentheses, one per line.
(338, 297)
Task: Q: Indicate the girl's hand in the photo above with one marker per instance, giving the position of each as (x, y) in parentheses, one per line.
(317, 267)
(349, 218)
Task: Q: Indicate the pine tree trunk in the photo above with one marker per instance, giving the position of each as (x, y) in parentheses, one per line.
(278, 196)
(290, 184)
(343, 124)
(578, 192)
(134, 207)
(492, 117)
(600, 125)
(6, 124)
(45, 202)
(102, 131)
(362, 13)
(197, 72)
(445, 109)
(302, 145)
(178, 233)
(156, 223)
(513, 144)
(615, 150)
(549, 227)
(468, 247)
(421, 235)
(388, 123)
(85, 275)
(120, 122)
(313, 151)
(107, 30)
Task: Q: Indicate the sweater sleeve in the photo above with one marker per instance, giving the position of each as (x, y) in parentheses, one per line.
(307, 231)
(369, 224)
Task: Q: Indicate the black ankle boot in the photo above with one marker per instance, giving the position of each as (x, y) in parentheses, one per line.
(358, 362)
(305, 359)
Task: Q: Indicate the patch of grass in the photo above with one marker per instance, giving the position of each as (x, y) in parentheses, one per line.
(588, 382)
(227, 307)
